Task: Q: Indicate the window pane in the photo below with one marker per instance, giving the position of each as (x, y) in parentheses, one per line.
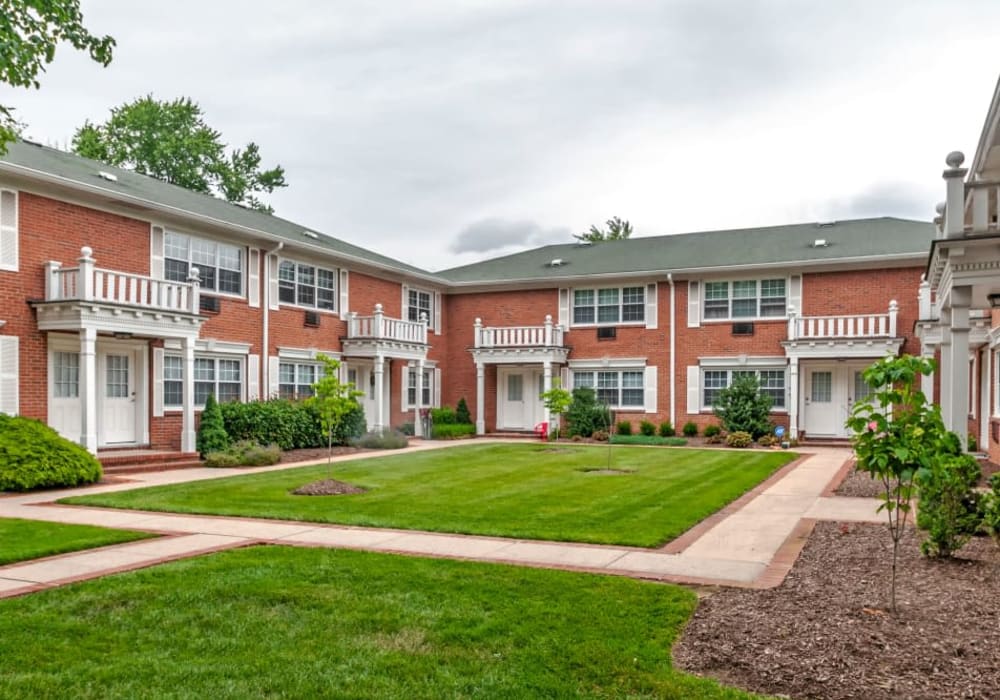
(822, 387)
(201, 392)
(307, 374)
(772, 383)
(583, 379)
(607, 314)
(714, 380)
(175, 245)
(229, 370)
(633, 304)
(744, 308)
(306, 295)
(173, 367)
(772, 288)
(745, 289)
(632, 397)
(230, 282)
(583, 297)
(324, 299)
(632, 379)
(515, 387)
(203, 253)
(583, 314)
(716, 290)
(66, 367)
(230, 257)
(207, 277)
(175, 270)
(324, 279)
(607, 296)
(307, 274)
(286, 373)
(717, 309)
(204, 369)
(228, 392)
(286, 271)
(173, 393)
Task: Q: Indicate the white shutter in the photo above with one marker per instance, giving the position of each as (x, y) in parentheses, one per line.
(404, 303)
(694, 389)
(437, 387)
(8, 230)
(157, 382)
(253, 377)
(795, 293)
(345, 307)
(273, 375)
(649, 390)
(272, 281)
(694, 304)
(564, 308)
(253, 278)
(567, 382)
(651, 320)
(156, 252)
(404, 391)
(437, 313)
(8, 374)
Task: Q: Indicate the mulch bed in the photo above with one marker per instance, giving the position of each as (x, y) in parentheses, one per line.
(327, 487)
(316, 454)
(861, 484)
(826, 633)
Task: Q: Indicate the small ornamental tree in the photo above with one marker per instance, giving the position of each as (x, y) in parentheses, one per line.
(462, 414)
(897, 433)
(557, 400)
(585, 414)
(743, 408)
(333, 400)
(212, 436)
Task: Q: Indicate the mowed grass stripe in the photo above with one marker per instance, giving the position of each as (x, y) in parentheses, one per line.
(21, 540)
(530, 491)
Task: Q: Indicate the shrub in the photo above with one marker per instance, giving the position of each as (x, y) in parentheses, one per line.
(742, 408)
(382, 440)
(712, 431)
(244, 454)
(740, 438)
(949, 508)
(600, 435)
(288, 424)
(647, 428)
(667, 429)
(462, 414)
(34, 456)
(767, 440)
(690, 429)
(443, 416)
(973, 443)
(212, 435)
(451, 431)
(406, 429)
(222, 459)
(991, 509)
(623, 427)
(585, 414)
(647, 440)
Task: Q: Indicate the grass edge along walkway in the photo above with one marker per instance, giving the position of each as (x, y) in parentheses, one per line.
(527, 491)
(24, 540)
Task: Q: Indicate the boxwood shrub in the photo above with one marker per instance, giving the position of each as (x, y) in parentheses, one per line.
(451, 431)
(34, 456)
(288, 424)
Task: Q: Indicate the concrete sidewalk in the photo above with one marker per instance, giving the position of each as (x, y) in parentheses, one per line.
(753, 543)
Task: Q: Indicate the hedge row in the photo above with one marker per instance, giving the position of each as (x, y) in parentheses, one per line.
(288, 424)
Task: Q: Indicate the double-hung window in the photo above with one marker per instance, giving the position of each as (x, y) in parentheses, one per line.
(66, 368)
(220, 376)
(418, 303)
(609, 305)
(220, 265)
(615, 388)
(771, 381)
(745, 299)
(296, 379)
(411, 391)
(307, 285)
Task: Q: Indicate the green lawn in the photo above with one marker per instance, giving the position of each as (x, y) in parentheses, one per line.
(30, 539)
(311, 623)
(530, 491)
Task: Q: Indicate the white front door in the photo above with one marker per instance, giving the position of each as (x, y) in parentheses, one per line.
(829, 395)
(362, 375)
(519, 398)
(116, 404)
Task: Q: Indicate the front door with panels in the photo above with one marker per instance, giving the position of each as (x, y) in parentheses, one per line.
(519, 397)
(116, 397)
(823, 406)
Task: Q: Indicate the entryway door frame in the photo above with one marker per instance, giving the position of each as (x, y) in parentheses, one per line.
(526, 412)
(827, 396)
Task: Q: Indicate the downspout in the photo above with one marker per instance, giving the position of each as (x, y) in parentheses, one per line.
(266, 364)
(673, 347)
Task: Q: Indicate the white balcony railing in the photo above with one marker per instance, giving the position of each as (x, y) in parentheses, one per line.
(86, 282)
(843, 327)
(378, 326)
(983, 198)
(544, 336)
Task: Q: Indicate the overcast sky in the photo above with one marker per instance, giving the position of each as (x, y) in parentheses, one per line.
(440, 133)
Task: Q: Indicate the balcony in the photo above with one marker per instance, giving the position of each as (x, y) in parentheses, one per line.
(499, 344)
(112, 301)
(379, 335)
(854, 335)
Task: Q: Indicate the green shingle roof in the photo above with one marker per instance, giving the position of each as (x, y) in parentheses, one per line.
(845, 241)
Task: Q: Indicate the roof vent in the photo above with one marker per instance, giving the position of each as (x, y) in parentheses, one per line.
(821, 243)
(584, 244)
(556, 262)
(826, 224)
(310, 234)
(105, 175)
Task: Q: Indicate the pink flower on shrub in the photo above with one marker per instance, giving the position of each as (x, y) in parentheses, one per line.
(873, 426)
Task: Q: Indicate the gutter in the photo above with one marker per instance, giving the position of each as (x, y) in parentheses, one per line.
(266, 347)
(673, 353)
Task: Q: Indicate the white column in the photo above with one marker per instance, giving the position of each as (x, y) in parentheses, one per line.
(954, 213)
(793, 398)
(418, 429)
(985, 374)
(547, 378)
(88, 389)
(945, 372)
(189, 442)
(961, 297)
(927, 380)
(480, 398)
(379, 398)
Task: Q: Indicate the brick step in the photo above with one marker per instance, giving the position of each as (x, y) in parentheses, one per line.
(131, 461)
(825, 442)
(143, 467)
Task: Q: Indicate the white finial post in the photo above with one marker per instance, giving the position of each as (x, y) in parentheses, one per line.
(377, 322)
(86, 280)
(893, 311)
(194, 279)
(477, 340)
(954, 177)
(548, 330)
(792, 324)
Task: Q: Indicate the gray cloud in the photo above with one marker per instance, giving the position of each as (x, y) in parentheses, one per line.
(899, 199)
(488, 235)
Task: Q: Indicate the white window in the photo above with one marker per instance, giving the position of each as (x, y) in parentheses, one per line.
(615, 388)
(411, 391)
(307, 285)
(220, 266)
(609, 305)
(772, 383)
(295, 379)
(66, 371)
(419, 302)
(745, 299)
(220, 376)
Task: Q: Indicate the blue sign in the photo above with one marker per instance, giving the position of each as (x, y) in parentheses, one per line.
(780, 431)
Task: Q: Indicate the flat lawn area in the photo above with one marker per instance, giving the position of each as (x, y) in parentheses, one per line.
(311, 623)
(21, 540)
(531, 491)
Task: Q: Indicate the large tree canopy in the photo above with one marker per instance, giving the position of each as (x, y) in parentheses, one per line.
(170, 141)
(30, 30)
(618, 229)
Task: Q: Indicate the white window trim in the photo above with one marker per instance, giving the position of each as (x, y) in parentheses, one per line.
(409, 370)
(430, 312)
(644, 286)
(743, 319)
(175, 408)
(305, 354)
(715, 365)
(244, 262)
(317, 374)
(629, 408)
(336, 287)
(210, 346)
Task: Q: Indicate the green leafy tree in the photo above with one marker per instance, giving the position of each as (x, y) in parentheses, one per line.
(171, 141)
(333, 400)
(212, 436)
(743, 408)
(30, 30)
(557, 400)
(617, 230)
(897, 433)
(586, 414)
(462, 414)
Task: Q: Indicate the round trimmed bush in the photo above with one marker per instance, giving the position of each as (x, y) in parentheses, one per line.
(34, 456)
(690, 429)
